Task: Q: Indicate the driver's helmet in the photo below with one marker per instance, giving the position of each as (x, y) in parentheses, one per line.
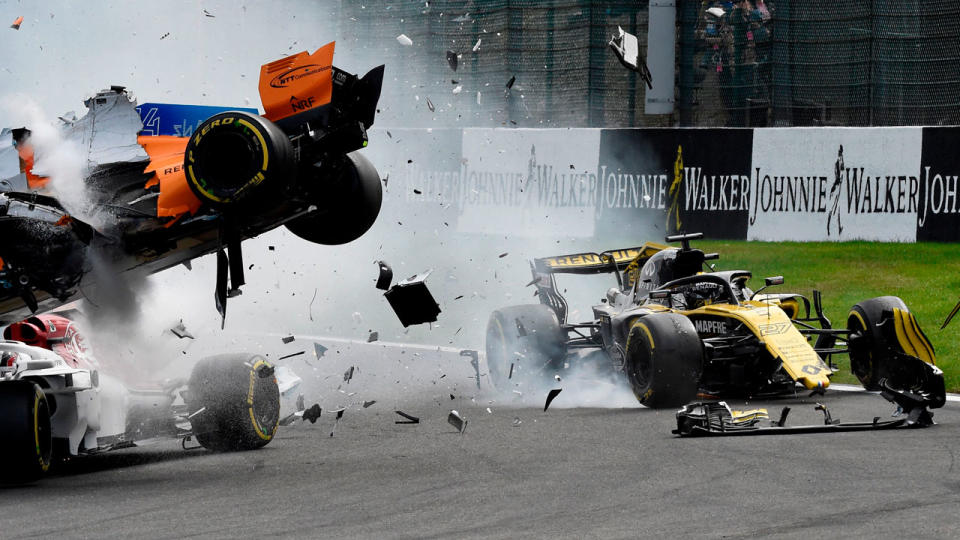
(703, 293)
(668, 265)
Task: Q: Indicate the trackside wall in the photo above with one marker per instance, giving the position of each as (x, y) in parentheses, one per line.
(892, 184)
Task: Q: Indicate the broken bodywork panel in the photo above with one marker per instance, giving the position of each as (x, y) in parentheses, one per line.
(153, 197)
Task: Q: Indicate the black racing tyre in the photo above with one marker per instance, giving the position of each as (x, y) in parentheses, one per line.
(240, 402)
(234, 155)
(664, 360)
(873, 348)
(529, 338)
(27, 444)
(349, 206)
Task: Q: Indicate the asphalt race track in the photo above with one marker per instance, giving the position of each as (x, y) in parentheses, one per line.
(571, 472)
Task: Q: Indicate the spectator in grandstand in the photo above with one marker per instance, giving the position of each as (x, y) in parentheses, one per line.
(743, 60)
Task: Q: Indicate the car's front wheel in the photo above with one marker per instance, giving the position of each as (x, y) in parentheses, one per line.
(27, 447)
(664, 359)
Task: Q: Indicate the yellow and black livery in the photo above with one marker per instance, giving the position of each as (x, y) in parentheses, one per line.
(676, 328)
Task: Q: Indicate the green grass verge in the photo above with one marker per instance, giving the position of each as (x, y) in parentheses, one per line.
(925, 275)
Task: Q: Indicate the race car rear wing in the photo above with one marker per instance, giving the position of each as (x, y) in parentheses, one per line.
(615, 260)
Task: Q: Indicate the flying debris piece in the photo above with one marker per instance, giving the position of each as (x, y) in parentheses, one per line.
(291, 355)
(337, 421)
(386, 276)
(287, 339)
(627, 50)
(318, 350)
(452, 60)
(477, 46)
(502, 255)
(953, 312)
(404, 40)
(165, 35)
(457, 421)
(430, 105)
(16, 24)
(550, 397)
(368, 403)
(452, 397)
(478, 98)
(510, 376)
(373, 337)
(418, 192)
(181, 331)
(412, 301)
(474, 357)
(409, 419)
(347, 375)
(458, 89)
(512, 80)
(208, 14)
(489, 411)
(463, 18)
(271, 248)
(557, 377)
(517, 421)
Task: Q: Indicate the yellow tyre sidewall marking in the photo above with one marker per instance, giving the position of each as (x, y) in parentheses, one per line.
(37, 396)
(642, 326)
(253, 420)
(256, 180)
(866, 328)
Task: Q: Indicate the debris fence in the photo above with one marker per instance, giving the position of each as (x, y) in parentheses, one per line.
(739, 64)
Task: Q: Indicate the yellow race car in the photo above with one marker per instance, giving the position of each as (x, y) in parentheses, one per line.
(676, 328)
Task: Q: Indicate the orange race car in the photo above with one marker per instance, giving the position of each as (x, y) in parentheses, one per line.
(156, 197)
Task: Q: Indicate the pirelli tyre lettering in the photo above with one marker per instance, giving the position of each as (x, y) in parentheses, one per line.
(234, 155)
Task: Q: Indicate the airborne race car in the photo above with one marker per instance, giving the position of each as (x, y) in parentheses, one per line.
(674, 327)
(57, 400)
(154, 201)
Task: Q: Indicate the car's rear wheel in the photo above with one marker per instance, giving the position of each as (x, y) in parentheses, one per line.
(347, 204)
(235, 401)
(664, 359)
(524, 345)
(27, 447)
(874, 343)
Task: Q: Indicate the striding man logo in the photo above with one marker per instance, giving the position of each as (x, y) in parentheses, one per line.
(675, 191)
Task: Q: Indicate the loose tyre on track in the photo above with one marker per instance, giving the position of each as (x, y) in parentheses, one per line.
(236, 402)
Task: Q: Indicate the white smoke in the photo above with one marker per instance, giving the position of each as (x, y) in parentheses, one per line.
(60, 159)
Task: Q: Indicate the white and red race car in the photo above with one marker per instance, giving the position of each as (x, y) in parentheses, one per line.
(56, 400)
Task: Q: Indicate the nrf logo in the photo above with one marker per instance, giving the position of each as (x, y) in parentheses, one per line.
(301, 104)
